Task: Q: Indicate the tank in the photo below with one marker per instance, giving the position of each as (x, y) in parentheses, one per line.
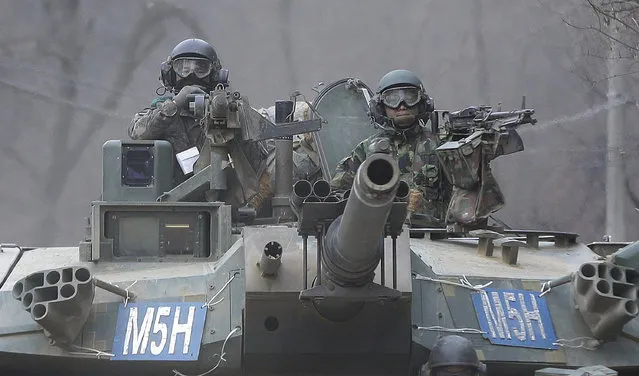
(170, 281)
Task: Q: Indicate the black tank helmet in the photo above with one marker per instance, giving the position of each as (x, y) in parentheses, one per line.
(193, 62)
(394, 79)
(454, 350)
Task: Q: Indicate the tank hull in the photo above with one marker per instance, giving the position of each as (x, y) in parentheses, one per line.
(442, 307)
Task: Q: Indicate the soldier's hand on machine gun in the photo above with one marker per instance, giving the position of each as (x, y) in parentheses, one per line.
(181, 99)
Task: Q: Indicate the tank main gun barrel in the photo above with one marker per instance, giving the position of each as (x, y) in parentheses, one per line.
(354, 239)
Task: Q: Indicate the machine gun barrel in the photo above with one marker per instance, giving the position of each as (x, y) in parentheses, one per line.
(474, 118)
(511, 118)
(354, 239)
(502, 114)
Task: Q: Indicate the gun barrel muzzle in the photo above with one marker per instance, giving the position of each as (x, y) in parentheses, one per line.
(219, 105)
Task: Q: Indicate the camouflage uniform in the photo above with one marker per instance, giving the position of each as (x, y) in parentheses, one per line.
(419, 168)
(305, 158)
(182, 130)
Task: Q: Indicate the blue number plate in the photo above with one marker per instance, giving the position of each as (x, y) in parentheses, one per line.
(515, 318)
(159, 331)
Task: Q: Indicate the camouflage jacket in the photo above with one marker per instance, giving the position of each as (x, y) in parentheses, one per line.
(419, 167)
(305, 158)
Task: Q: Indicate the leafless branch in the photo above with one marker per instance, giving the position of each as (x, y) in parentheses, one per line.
(56, 99)
(623, 12)
(10, 153)
(601, 30)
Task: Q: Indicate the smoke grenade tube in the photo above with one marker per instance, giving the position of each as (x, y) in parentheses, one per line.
(321, 188)
(402, 191)
(353, 247)
(301, 190)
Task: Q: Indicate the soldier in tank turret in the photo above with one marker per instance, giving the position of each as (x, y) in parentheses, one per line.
(453, 356)
(402, 109)
(192, 67)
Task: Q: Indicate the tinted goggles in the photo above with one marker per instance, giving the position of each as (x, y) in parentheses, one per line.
(184, 66)
(394, 97)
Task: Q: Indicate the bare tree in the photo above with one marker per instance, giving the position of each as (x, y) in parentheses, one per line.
(610, 30)
(626, 14)
(63, 38)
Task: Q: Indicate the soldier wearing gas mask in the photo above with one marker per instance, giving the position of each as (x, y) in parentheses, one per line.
(453, 356)
(193, 67)
(402, 110)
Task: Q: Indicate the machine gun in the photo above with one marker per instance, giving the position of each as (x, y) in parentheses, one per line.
(225, 109)
(233, 128)
(477, 135)
(462, 123)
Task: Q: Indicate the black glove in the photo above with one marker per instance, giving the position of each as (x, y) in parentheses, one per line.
(181, 98)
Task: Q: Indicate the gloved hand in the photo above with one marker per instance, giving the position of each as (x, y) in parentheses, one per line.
(181, 100)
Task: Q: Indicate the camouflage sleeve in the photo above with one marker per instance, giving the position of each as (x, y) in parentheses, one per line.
(149, 124)
(347, 167)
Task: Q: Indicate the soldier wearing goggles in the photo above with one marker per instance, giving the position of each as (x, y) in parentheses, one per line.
(193, 67)
(402, 110)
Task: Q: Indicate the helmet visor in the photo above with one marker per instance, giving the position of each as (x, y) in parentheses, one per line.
(395, 96)
(184, 66)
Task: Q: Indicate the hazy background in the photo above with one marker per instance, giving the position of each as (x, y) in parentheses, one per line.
(73, 73)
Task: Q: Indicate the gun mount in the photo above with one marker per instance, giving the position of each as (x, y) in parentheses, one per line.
(340, 288)
(477, 136)
(350, 233)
